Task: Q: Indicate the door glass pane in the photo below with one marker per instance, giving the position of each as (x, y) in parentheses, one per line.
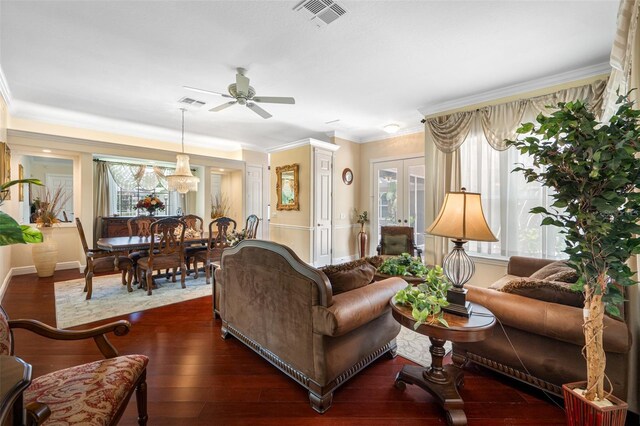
(387, 197)
(416, 203)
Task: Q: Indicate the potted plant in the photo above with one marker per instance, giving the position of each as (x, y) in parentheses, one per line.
(426, 299)
(11, 232)
(49, 206)
(594, 171)
(219, 206)
(363, 218)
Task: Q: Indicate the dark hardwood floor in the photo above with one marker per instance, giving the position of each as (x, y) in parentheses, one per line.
(196, 378)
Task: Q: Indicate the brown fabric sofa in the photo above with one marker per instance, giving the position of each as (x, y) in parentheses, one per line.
(287, 312)
(547, 337)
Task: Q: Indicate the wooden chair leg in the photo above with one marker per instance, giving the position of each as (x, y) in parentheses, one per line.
(88, 282)
(195, 268)
(173, 275)
(141, 399)
(124, 276)
(149, 274)
(183, 274)
(129, 279)
(207, 271)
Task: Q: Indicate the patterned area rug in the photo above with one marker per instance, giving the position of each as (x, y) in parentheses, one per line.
(415, 347)
(111, 299)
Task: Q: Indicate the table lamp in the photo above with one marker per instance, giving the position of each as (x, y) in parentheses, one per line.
(461, 219)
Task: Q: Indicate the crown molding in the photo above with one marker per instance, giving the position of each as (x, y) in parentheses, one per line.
(5, 92)
(303, 142)
(58, 116)
(384, 135)
(529, 86)
(341, 135)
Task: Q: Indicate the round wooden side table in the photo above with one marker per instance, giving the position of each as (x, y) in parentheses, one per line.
(443, 381)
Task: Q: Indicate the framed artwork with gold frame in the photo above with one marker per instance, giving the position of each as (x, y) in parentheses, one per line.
(5, 166)
(20, 186)
(287, 187)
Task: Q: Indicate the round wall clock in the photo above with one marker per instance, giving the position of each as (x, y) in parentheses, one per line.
(347, 176)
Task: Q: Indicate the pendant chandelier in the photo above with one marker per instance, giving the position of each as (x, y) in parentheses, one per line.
(182, 180)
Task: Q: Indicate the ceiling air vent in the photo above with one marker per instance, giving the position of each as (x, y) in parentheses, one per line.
(193, 103)
(320, 12)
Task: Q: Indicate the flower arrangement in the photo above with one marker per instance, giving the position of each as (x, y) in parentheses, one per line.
(188, 233)
(151, 203)
(235, 237)
(427, 299)
(48, 205)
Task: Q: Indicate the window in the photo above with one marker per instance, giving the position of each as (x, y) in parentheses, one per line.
(507, 199)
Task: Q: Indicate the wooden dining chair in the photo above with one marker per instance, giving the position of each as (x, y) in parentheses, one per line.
(251, 227)
(197, 224)
(217, 243)
(139, 226)
(99, 260)
(166, 251)
(395, 240)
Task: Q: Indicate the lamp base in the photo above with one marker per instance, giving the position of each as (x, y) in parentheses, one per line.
(458, 304)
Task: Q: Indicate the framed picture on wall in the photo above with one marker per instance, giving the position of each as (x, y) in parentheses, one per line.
(287, 187)
(5, 166)
(20, 186)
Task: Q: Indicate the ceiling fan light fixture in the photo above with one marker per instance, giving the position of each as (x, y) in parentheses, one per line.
(391, 128)
(182, 180)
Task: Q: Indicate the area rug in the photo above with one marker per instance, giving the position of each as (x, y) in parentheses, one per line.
(111, 299)
(415, 347)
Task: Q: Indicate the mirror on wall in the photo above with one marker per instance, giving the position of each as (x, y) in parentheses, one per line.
(56, 174)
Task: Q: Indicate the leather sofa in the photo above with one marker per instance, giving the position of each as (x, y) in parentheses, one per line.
(288, 313)
(541, 342)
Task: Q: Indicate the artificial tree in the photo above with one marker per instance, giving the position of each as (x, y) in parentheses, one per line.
(594, 171)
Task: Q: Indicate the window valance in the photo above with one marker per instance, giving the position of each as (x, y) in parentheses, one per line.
(500, 122)
(131, 176)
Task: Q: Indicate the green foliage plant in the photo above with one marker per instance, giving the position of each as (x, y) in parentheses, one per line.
(405, 265)
(594, 171)
(426, 299)
(11, 232)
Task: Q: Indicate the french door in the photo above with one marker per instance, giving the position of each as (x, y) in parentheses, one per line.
(399, 192)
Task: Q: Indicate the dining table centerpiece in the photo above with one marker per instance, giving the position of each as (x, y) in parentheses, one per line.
(151, 203)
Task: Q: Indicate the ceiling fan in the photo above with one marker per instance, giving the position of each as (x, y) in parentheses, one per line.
(243, 94)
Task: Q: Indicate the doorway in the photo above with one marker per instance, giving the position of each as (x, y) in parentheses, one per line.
(399, 196)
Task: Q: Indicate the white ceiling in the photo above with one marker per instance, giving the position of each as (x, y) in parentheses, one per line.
(122, 64)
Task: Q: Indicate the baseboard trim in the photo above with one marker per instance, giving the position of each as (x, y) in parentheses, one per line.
(5, 283)
(60, 266)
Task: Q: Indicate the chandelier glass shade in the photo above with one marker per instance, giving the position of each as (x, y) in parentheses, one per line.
(182, 180)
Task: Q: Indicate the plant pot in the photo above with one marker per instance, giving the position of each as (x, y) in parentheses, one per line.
(362, 239)
(45, 254)
(582, 412)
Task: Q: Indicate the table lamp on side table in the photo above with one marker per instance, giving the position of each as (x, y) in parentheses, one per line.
(461, 219)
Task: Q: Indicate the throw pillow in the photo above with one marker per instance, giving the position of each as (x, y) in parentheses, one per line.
(547, 291)
(556, 271)
(349, 276)
(394, 244)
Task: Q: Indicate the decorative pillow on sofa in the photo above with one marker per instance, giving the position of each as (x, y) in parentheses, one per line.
(349, 276)
(545, 290)
(556, 271)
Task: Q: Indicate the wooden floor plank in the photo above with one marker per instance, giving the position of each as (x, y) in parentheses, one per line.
(197, 378)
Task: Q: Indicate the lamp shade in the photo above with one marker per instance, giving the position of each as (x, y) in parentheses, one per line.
(182, 180)
(461, 218)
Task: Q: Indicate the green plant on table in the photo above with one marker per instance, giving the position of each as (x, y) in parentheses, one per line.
(594, 169)
(426, 299)
(11, 232)
(404, 265)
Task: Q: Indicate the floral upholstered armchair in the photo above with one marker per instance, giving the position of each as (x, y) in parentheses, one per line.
(96, 393)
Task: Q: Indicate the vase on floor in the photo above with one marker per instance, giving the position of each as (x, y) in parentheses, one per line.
(45, 254)
(362, 240)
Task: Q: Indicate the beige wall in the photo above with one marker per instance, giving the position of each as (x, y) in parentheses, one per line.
(345, 199)
(292, 227)
(5, 252)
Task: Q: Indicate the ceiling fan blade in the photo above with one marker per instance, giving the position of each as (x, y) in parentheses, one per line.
(242, 84)
(255, 108)
(210, 92)
(273, 100)
(223, 106)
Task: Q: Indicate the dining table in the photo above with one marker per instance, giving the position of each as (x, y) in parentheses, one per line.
(136, 242)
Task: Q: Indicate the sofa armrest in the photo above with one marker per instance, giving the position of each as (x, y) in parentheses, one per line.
(525, 266)
(355, 308)
(552, 320)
